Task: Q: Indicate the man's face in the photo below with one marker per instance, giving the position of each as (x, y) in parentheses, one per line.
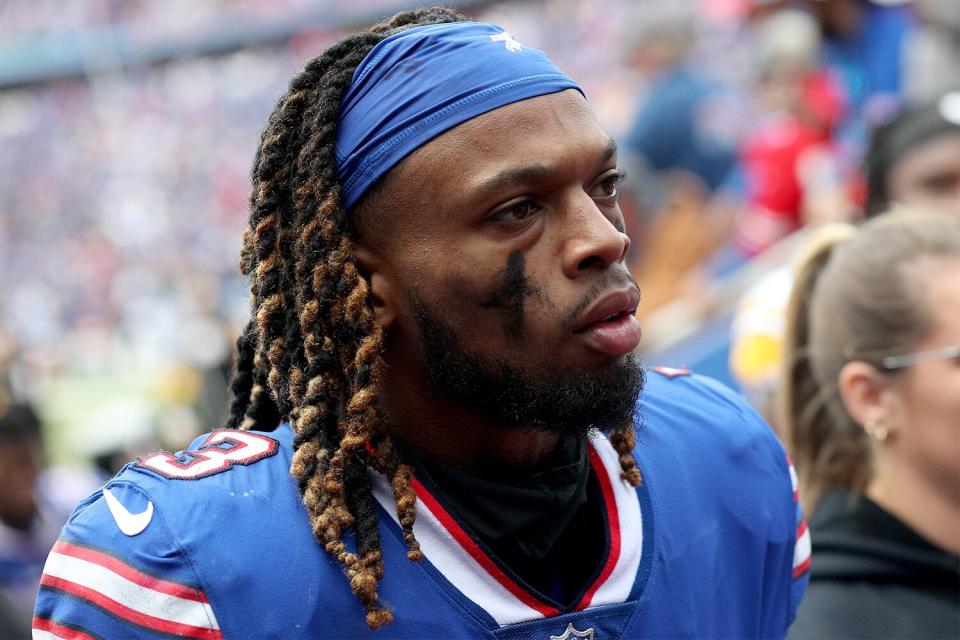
(505, 251)
(929, 175)
(19, 467)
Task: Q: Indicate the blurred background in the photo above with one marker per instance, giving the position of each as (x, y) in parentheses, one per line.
(127, 130)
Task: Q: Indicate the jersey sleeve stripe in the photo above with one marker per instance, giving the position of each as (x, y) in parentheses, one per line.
(793, 480)
(46, 629)
(128, 614)
(614, 526)
(128, 600)
(129, 573)
(802, 551)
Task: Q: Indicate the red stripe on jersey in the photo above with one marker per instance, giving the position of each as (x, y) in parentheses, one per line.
(132, 615)
(137, 577)
(58, 630)
(613, 521)
(477, 553)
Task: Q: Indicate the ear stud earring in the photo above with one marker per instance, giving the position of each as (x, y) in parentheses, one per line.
(876, 431)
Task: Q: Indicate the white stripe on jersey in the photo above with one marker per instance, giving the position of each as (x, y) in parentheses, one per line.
(129, 594)
(456, 564)
(469, 577)
(618, 585)
(801, 552)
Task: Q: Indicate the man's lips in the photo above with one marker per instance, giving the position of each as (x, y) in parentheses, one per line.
(623, 301)
(610, 325)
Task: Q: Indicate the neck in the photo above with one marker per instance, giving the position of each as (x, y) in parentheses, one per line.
(451, 433)
(928, 509)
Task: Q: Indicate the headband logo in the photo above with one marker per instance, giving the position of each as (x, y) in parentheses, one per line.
(508, 40)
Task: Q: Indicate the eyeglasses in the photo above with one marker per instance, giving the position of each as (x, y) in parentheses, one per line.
(891, 363)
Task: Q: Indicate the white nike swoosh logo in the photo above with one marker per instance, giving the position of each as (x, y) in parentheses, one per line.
(130, 523)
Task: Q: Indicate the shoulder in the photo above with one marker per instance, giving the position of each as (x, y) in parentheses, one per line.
(161, 545)
(697, 436)
(229, 471)
(213, 454)
(700, 407)
(225, 473)
(715, 469)
(710, 427)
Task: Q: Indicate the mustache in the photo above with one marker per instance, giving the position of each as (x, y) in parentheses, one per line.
(611, 280)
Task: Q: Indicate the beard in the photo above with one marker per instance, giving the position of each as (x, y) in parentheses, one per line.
(511, 396)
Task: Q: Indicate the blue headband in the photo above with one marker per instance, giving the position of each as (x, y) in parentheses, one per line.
(420, 82)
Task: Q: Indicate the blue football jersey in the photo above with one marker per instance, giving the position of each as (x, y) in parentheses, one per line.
(214, 542)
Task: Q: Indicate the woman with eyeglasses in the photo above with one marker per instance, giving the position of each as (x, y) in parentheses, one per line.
(870, 410)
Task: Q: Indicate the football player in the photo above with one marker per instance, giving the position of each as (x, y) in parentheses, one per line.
(439, 426)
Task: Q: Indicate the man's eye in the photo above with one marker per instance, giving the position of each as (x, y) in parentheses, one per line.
(519, 211)
(610, 187)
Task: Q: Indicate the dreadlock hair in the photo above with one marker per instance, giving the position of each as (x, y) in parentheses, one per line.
(311, 352)
(624, 439)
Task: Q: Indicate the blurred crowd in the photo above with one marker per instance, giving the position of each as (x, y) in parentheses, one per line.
(41, 19)
(123, 191)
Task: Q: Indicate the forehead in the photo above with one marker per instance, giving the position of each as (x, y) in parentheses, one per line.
(939, 155)
(556, 135)
(943, 277)
(938, 280)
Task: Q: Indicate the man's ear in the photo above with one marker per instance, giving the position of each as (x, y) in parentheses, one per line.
(866, 394)
(373, 268)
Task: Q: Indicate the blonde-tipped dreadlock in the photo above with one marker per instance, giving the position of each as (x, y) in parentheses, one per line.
(312, 351)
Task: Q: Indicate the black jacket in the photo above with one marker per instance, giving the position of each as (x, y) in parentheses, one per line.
(874, 577)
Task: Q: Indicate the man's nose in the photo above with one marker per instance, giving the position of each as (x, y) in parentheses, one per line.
(595, 241)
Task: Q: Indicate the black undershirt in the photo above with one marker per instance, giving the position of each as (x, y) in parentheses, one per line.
(545, 527)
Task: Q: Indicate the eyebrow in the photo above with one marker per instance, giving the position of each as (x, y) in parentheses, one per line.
(529, 173)
(609, 151)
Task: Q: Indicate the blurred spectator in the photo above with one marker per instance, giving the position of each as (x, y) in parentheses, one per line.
(680, 148)
(870, 413)
(916, 157)
(865, 42)
(913, 161)
(682, 126)
(26, 533)
(932, 54)
(35, 501)
(792, 170)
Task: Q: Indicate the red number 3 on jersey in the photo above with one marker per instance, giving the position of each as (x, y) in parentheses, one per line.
(220, 451)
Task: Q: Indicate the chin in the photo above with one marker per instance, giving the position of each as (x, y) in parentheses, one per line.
(512, 391)
(568, 401)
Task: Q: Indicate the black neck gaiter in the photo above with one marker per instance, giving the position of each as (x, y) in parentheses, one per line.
(528, 519)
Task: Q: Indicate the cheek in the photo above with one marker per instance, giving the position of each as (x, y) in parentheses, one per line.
(496, 299)
(17, 476)
(497, 288)
(469, 292)
(933, 420)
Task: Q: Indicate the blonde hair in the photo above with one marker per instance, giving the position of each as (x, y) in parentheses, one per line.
(852, 300)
